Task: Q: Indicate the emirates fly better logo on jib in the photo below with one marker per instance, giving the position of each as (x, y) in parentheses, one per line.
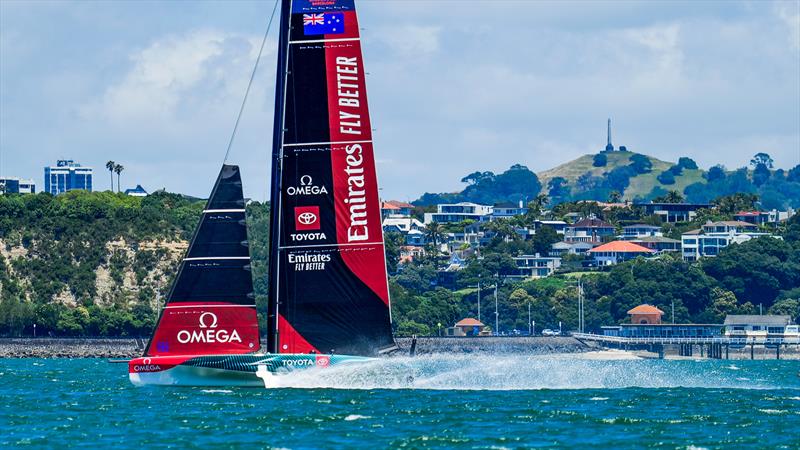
(306, 218)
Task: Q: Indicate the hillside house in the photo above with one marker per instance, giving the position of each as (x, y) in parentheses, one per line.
(714, 236)
(618, 251)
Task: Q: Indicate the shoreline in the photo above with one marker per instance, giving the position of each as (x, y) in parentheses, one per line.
(564, 346)
(134, 347)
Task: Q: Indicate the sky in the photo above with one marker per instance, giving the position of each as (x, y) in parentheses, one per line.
(454, 86)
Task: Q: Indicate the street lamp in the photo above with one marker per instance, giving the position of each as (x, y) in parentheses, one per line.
(440, 328)
(34, 330)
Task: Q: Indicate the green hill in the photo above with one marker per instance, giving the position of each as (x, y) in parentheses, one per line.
(640, 185)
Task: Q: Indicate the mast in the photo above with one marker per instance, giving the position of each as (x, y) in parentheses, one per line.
(275, 184)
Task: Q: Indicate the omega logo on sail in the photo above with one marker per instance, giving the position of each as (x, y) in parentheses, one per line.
(306, 187)
(208, 333)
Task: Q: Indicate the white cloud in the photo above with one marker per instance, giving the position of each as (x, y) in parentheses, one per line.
(789, 13)
(412, 40)
(197, 70)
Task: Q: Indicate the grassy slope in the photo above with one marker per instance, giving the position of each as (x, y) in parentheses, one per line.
(640, 185)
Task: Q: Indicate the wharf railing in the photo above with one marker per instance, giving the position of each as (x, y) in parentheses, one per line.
(686, 340)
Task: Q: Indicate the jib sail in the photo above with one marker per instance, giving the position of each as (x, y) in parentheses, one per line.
(329, 291)
(210, 308)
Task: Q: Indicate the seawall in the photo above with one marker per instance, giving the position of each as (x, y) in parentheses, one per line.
(129, 347)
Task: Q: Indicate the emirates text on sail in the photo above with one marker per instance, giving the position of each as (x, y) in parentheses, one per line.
(356, 194)
(348, 93)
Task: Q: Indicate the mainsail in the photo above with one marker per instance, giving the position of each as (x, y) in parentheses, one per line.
(328, 283)
(210, 308)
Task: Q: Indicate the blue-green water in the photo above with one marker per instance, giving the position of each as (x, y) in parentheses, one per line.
(453, 402)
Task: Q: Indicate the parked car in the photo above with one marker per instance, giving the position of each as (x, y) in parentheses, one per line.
(549, 332)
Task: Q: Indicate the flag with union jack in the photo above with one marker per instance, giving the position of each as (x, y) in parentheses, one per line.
(323, 23)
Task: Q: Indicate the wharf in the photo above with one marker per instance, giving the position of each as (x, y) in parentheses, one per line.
(717, 347)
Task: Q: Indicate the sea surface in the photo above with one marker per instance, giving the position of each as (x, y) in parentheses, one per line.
(455, 401)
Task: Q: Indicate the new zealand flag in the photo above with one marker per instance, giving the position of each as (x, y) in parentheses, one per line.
(323, 23)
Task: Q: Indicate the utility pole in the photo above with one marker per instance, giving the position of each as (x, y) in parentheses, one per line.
(479, 299)
(530, 324)
(496, 312)
(673, 311)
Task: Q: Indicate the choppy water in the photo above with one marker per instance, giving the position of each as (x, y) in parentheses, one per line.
(453, 402)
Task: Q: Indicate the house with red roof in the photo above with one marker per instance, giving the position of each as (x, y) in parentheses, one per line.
(468, 327)
(617, 251)
(646, 315)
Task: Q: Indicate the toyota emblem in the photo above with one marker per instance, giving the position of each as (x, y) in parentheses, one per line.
(307, 218)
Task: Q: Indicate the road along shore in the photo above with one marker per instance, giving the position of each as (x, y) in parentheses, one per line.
(129, 348)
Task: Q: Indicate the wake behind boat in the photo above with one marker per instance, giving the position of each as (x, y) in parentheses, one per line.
(329, 297)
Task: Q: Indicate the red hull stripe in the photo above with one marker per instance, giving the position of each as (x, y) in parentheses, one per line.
(291, 341)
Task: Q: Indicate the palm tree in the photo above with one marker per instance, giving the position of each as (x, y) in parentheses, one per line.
(118, 169)
(537, 205)
(110, 166)
(433, 232)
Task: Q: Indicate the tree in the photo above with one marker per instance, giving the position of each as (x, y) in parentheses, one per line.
(544, 239)
(557, 187)
(434, 232)
(789, 307)
(666, 177)
(687, 163)
(762, 158)
(794, 174)
(118, 168)
(676, 170)
(670, 197)
(600, 160)
(614, 197)
(732, 204)
(715, 173)
(537, 205)
(761, 174)
(110, 166)
(641, 163)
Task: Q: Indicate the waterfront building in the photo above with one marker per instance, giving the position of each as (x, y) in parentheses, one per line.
(757, 326)
(645, 315)
(506, 210)
(673, 212)
(468, 327)
(659, 243)
(16, 185)
(590, 229)
(631, 330)
(618, 251)
(67, 175)
(631, 232)
(534, 266)
(714, 236)
(459, 212)
(138, 191)
(570, 248)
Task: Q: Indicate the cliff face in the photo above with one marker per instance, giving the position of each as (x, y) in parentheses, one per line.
(98, 263)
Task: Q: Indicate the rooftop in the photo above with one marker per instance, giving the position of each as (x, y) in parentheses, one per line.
(469, 322)
(621, 247)
(646, 309)
(593, 222)
(733, 319)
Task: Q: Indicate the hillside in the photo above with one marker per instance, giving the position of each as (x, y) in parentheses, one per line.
(640, 185)
(97, 263)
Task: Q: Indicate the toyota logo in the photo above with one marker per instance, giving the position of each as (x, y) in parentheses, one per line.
(307, 218)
